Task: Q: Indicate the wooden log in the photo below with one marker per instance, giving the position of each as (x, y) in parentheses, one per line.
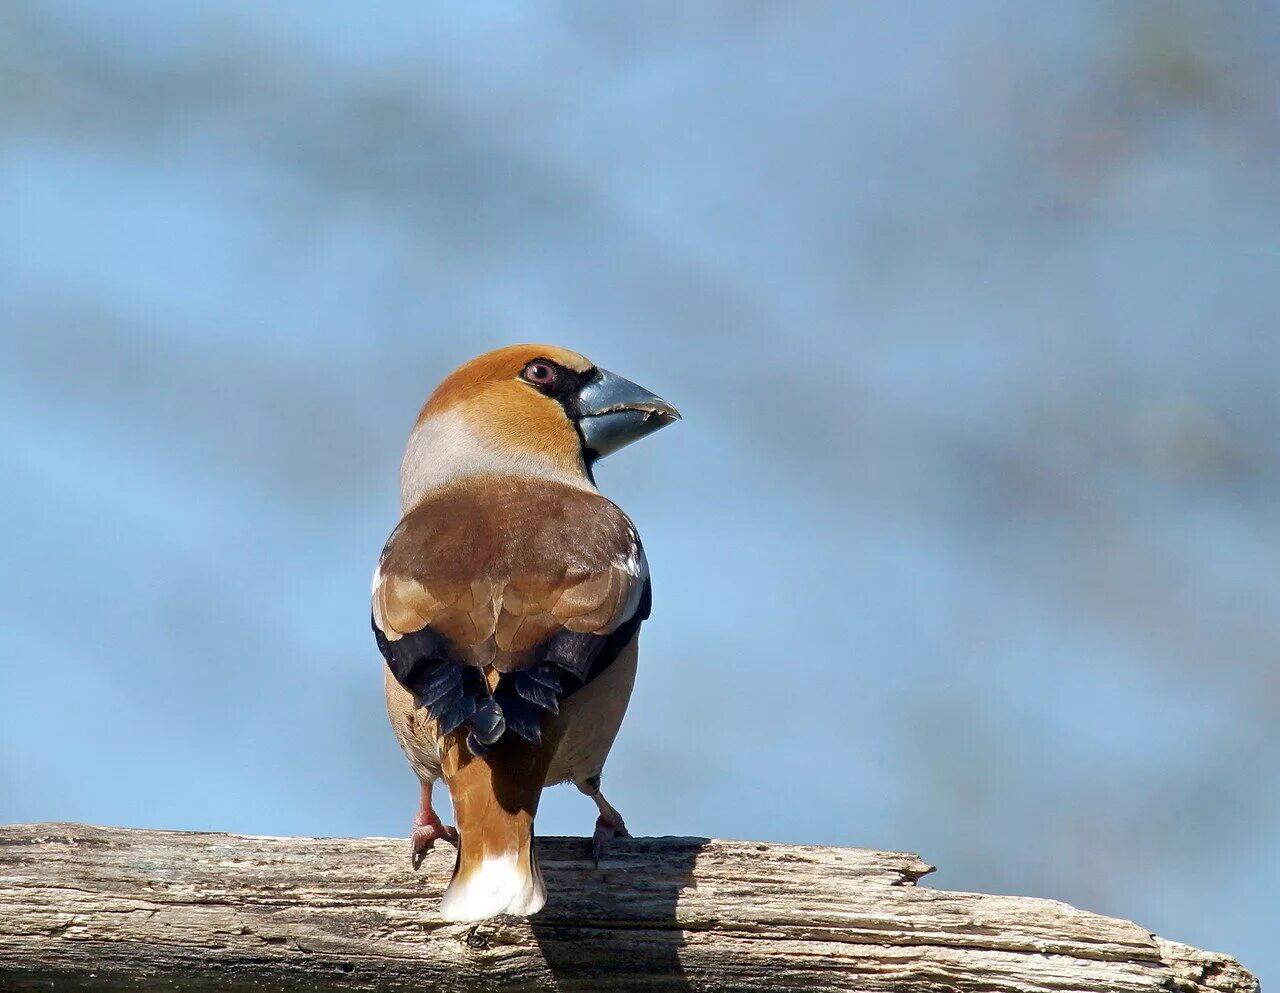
(89, 908)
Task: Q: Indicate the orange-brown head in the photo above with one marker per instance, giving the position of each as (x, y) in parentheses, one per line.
(526, 410)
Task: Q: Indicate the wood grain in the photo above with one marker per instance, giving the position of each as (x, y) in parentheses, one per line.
(88, 908)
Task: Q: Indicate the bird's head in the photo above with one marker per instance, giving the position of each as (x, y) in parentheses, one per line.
(526, 409)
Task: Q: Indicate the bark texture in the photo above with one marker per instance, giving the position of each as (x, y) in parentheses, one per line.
(112, 909)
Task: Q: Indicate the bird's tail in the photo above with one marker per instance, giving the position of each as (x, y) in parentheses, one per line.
(495, 798)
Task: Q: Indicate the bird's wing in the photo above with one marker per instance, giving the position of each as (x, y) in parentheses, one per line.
(493, 602)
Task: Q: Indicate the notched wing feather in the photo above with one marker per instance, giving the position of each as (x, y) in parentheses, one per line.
(536, 691)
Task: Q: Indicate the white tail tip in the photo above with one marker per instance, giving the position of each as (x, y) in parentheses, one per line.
(501, 884)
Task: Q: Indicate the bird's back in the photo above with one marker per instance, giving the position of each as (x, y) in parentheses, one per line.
(501, 604)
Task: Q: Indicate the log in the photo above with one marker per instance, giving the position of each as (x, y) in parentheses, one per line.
(90, 908)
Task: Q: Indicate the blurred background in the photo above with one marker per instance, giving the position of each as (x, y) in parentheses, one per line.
(971, 310)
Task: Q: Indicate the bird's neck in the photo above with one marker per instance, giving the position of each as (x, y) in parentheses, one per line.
(446, 448)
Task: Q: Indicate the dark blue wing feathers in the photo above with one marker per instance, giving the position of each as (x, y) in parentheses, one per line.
(456, 695)
(523, 717)
(538, 691)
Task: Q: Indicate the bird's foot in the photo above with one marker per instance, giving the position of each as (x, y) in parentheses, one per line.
(427, 829)
(607, 828)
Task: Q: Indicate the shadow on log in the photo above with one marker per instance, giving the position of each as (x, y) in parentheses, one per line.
(634, 890)
(85, 908)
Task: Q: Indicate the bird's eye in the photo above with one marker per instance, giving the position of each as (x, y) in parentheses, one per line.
(540, 373)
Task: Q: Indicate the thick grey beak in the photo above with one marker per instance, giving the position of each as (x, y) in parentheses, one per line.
(613, 412)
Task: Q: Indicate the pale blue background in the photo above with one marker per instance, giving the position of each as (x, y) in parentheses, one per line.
(969, 543)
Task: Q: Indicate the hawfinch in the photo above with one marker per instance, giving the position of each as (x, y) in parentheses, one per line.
(507, 604)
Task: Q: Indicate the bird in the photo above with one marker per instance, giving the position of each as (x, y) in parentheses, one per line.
(507, 605)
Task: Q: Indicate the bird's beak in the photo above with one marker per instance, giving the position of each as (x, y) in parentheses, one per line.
(613, 412)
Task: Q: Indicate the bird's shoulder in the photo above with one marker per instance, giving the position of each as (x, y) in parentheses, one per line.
(509, 527)
(501, 564)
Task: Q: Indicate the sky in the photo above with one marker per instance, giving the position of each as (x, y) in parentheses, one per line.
(967, 544)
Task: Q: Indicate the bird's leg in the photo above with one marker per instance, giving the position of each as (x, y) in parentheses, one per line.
(609, 824)
(427, 827)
